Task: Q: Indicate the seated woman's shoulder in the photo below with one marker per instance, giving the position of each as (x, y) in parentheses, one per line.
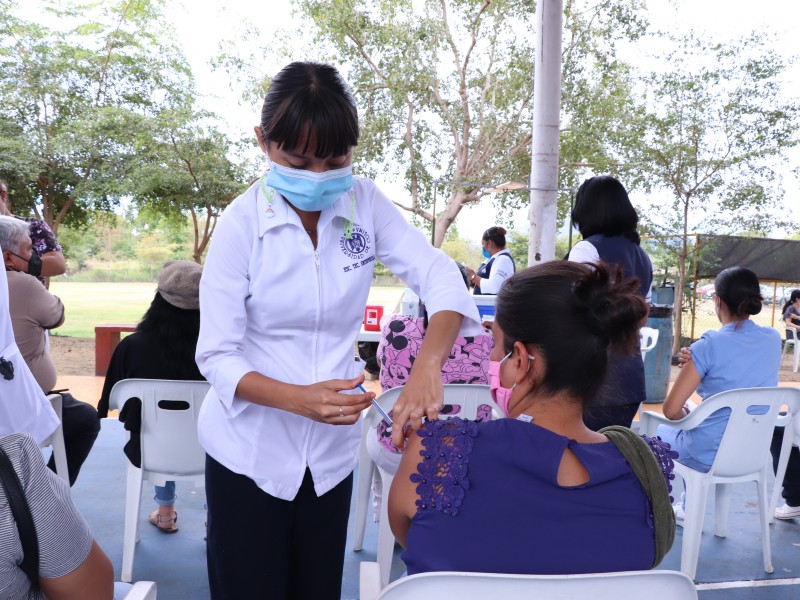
(17, 444)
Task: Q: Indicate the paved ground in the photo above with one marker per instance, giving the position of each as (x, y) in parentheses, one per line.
(728, 568)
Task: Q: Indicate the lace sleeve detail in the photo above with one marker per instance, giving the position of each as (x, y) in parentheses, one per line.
(443, 475)
(666, 457)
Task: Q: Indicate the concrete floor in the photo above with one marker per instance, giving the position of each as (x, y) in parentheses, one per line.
(177, 562)
(728, 568)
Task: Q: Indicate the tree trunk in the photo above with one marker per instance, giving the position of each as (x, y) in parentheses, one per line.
(447, 217)
(679, 288)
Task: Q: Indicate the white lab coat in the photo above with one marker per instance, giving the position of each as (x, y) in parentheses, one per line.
(271, 303)
(23, 406)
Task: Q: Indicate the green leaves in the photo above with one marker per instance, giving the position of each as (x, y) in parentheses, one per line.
(445, 89)
(75, 100)
(713, 122)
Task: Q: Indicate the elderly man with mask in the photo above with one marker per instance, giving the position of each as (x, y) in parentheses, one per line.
(33, 312)
(47, 259)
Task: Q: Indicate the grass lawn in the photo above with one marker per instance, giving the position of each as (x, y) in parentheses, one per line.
(89, 304)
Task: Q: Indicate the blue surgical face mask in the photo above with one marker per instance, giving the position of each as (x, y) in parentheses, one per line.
(486, 253)
(307, 190)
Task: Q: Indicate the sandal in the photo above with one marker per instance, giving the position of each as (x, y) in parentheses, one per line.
(164, 524)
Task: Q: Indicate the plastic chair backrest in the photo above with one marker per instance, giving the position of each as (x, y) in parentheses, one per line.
(141, 590)
(790, 334)
(169, 422)
(467, 396)
(653, 585)
(648, 337)
(56, 439)
(747, 436)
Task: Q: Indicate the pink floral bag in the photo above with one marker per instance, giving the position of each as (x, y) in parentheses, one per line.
(400, 343)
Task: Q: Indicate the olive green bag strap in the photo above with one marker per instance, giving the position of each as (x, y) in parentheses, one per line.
(646, 467)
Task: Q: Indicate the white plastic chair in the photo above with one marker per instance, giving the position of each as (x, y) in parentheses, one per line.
(791, 436)
(142, 590)
(170, 449)
(56, 440)
(743, 455)
(653, 585)
(468, 397)
(648, 337)
(791, 339)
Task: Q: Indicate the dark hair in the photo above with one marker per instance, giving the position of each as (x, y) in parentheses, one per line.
(794, 296)
(177, 329)
(574, 314)
(497, 235)
(602, 206)
(738, 288)
(310, 100)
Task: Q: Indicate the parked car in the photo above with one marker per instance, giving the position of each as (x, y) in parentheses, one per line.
(768, 291)
(705, 291)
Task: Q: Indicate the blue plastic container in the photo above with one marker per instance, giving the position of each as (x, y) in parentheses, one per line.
(658, 362)
(485, 310)
(485, 304)
(664, 295)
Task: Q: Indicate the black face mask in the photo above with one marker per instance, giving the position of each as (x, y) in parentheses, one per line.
(34, 264)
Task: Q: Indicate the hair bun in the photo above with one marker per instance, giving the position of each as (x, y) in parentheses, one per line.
(751, 306)
(611, 306)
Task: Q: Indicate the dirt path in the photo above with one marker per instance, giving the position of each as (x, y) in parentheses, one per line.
(73, 356)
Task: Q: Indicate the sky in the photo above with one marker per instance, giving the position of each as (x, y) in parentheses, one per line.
(201, 25)
(205, 25)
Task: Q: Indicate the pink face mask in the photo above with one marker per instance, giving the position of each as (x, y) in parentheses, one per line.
(500, 394)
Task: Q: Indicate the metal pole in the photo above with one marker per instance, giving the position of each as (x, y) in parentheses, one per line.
(545, 131)
(433, 221)
(694, 288)
(571, 224)
(774, 300)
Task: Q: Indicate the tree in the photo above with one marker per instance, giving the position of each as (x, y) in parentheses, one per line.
(74, 101)
(185, 167)
(445, 89)
(715, 124)
(461, 250)
(517, 244)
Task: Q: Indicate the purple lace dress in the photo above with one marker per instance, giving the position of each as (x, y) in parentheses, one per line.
(490, 502)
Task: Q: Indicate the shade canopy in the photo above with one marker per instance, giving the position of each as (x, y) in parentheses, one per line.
(771, 260)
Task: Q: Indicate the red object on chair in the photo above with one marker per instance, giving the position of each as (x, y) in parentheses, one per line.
(372, 318)
(106, 338)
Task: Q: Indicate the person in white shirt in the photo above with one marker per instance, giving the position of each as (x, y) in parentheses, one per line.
(499, 264)
(23, 406)
(281, 302)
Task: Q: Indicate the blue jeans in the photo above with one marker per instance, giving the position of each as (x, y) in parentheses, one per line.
(673, 437)
(165, 496)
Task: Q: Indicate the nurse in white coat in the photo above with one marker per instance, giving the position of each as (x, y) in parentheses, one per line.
(281, 303)
(23, 406)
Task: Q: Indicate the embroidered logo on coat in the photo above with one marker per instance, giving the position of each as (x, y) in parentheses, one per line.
(356, 248)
